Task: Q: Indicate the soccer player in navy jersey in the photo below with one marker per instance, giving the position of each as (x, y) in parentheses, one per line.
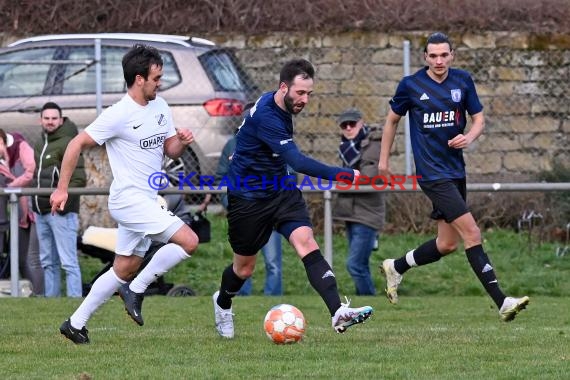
(262, 197)
(438, 99)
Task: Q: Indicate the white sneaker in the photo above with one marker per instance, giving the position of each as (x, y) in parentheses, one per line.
(393, 279)
(224, 319)
(346, 316)
(511, 307)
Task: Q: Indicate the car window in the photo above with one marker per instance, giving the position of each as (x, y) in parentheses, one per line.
(26, 76)
(170, 73)
(224, 72)
(80, 78)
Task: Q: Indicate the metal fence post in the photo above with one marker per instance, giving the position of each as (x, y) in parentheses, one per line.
(328, 232)
(408, 151)
(14, 246)
(98, 77)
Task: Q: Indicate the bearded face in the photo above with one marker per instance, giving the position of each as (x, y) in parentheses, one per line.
(297, 95)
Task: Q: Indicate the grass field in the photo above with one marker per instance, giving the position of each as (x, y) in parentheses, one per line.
(519, 270)
(445, 327)
(428, 337)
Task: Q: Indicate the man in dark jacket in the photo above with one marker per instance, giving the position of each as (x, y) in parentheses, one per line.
(362, 213)
(57, 233)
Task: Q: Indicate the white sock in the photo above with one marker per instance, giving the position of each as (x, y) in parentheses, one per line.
(410, 259)
(103, 288)
(165, 258)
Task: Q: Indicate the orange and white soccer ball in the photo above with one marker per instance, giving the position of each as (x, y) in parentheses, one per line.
(284, 324)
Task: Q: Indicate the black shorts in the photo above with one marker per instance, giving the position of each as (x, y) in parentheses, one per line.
(251, 221)
(448, 197)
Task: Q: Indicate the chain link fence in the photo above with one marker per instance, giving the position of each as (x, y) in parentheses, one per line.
(523, 82)
(525, 93)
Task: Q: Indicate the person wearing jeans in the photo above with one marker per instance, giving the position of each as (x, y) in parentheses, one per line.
(57, 232)
(362, 213)
(58, 248)
(272, 253)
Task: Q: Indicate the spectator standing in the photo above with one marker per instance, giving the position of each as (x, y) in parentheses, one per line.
(17, 168)
(362, 213)
(57, 233)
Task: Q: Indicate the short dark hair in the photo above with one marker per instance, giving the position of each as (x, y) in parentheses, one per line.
(138, 61)
(296, 67)
(438, 38)
(3, 136)
(51, 106)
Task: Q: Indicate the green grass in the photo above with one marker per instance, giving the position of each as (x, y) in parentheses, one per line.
(430, 337)
(445, 327)
(520, 272)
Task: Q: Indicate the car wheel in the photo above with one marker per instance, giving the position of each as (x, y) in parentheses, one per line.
(184, 166)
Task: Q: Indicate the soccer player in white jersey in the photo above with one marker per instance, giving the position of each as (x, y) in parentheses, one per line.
(137, 132)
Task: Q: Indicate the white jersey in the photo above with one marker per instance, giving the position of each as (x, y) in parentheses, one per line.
(134, 137)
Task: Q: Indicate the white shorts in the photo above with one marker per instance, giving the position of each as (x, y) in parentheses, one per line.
(141, 222)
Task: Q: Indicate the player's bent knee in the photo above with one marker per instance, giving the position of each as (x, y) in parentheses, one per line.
(125, 269)
(244, 272)
(190, 245)
(186, 238)
(445, 248)
(472, 235)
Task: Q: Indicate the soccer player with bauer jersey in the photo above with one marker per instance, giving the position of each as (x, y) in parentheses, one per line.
(438, 99)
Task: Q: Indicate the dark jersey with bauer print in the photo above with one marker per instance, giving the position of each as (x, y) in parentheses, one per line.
(438, 113)
(264, 148)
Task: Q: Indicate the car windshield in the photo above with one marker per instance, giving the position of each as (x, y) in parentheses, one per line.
(224, 71)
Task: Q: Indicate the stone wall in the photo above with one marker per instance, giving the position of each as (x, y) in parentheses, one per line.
(523, 81)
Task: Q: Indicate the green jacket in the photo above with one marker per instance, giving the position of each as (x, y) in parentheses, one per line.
(48, 153)
(365, 208)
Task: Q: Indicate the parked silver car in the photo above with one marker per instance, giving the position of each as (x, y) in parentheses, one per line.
(204, 84)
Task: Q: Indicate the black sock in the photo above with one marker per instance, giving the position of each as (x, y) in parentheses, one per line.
(481, 265)
(231, 284)
(426, 253)
(322, 279)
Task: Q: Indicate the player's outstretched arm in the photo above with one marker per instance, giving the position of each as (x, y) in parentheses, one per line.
(301, 163)
(79, 143)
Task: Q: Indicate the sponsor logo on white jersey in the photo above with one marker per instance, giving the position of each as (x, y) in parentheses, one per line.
(153, 142)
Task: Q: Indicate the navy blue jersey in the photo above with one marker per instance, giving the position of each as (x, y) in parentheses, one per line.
(438, 113)
(264, 149)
